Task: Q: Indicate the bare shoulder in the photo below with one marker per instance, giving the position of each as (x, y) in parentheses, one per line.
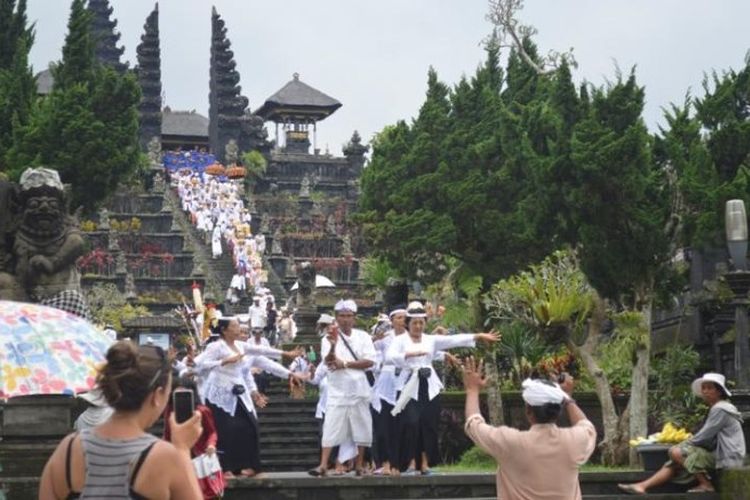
(164, 451)
(163, 462)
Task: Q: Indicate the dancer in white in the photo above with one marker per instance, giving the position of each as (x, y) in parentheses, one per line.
(347, 352)
(419, 385)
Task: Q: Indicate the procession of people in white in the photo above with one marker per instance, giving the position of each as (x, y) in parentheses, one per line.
(376, 392)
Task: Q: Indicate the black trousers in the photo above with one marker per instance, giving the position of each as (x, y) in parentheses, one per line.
(238, 446)
(262, 380)
(418, 428)
(385, 443)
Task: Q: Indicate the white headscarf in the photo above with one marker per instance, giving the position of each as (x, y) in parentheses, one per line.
(345, 305)
(538, 393)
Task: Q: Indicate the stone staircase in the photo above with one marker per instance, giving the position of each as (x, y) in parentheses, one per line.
(150, 263)
(219, 271)
(274, 283)
(288, 431)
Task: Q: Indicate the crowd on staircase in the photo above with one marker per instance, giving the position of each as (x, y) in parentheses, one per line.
(215, 206)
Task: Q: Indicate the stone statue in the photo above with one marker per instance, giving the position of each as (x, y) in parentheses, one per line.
(121, 264)
(46, 246)
(305, 285)
(154, 152)
(346, 245)
(103, 220)
(331, 224)
(317, 208)
(231, 152)
(159, 183)
(264, 224)
(276, 243)
(131, 293)
(304, 187)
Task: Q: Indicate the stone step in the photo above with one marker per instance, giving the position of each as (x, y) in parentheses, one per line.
(294, 452)
(285, 426)
(656, 496)
(299, 486)
(274, 408)
(650, 496)
(268, 429)
(291, 421)
(279, 440)
(286, 464)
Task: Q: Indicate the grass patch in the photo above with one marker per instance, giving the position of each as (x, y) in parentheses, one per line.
(476, 460)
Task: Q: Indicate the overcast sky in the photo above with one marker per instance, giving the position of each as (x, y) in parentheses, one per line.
(373, 56)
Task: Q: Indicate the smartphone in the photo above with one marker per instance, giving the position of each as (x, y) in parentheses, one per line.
(183, 404)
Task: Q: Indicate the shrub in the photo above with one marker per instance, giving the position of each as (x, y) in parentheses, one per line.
(475, 457)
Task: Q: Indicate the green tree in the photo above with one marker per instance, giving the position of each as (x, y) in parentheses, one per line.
(17, 82)
(78, 65)
(401, 212)
(455, 184)
(705, 145)
(87, 127)
(621, 206)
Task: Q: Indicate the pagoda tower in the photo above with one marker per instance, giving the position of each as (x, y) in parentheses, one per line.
(103, 27)
(149, 78)
(228, 115)
(298, 108)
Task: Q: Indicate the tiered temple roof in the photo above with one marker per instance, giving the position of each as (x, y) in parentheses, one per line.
(105, 34)
(149, 78)
(297, 101)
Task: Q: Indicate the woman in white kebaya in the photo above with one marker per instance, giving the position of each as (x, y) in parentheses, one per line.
(418, 407)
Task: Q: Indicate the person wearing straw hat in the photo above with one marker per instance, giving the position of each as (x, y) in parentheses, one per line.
(718, 445)
(418, 407)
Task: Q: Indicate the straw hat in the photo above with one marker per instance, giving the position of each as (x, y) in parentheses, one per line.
(716, 378)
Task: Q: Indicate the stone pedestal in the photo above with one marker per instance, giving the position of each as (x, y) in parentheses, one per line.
(306, 319)
(305, 206)
(37, 416)
(279, 263)
(739, 282)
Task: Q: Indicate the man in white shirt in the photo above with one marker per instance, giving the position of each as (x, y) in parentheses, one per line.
(257, 314)
(348, 354)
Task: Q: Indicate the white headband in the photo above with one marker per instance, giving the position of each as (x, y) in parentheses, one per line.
(395, 312)
(346, 305)
(538, 393)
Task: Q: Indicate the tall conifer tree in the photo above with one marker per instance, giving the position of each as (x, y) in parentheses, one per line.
(87, 127)
(17, 82)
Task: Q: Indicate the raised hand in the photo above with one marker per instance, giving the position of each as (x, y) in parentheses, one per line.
(451, 360)
(488, 338)
(259, 399)
(474, 379)
(440, 330)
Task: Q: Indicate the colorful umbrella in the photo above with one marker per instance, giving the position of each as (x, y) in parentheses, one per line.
(47, 351)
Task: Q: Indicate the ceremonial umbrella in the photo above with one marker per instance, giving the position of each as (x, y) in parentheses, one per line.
(320, 282)
(47, 351)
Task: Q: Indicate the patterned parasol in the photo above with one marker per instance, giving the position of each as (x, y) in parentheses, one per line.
(47, 351)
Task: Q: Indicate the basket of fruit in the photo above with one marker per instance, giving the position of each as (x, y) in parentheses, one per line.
(235, 172)
(654, 450)
(215, 169)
